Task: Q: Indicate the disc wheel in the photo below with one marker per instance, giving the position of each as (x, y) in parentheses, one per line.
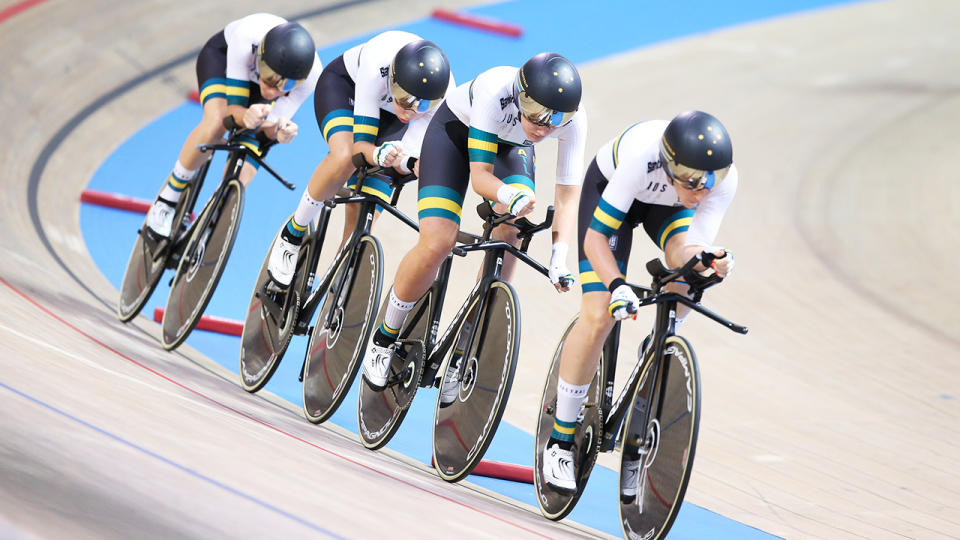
(148, 260)
(554, 504)
(660, 445)
(464, 428)
(341, 331)
(201, 265)
(271, 318)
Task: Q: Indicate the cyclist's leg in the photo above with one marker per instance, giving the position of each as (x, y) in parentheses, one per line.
(211, 68)
(444, 178)
(581, 350)
(334, 114)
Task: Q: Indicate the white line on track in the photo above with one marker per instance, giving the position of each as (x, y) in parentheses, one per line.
(90, 363)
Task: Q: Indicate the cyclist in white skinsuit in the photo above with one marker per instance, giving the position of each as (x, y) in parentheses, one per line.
(375, 99)
(259, 69)
(677, 180)
(483, 137)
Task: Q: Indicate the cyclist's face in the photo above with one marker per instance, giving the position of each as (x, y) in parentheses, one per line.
(534, 132)
(689, 198)
(269, 92)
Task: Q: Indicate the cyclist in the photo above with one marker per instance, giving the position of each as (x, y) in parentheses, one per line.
(676, 179)
(375, 99)
(259, 69)
(484, 135)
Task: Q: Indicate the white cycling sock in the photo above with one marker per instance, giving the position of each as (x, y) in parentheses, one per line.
(396, 313)
(176, 182)
(308, 209)
(569, 399)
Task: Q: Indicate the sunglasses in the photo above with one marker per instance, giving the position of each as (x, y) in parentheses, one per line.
(539, 115)
(689, 179)
(273, 79)
(407, 101)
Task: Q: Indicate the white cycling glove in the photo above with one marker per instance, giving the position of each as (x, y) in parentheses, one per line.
(513, 198)
(623, 301)
(386, 153)
(558, 265)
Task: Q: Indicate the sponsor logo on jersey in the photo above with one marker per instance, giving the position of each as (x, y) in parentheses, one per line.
(654, 165)
(384, 71)
(505, 102)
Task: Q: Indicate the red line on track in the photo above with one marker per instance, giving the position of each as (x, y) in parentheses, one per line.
(261, 422)
(18, 8)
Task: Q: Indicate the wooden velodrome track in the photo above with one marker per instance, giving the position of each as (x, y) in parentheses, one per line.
(836, 417)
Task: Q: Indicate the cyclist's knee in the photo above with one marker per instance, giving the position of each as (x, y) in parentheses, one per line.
(595, 319)
(212, 126)
(673, 250)
(435, 243)
(341, 157)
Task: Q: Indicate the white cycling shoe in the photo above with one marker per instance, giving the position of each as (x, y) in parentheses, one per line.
(558, 469)
(160, 218)
(376, 366)
(629, 480)
(283, 262)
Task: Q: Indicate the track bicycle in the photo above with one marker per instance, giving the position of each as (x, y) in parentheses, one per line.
(481, 345)
(197, 248)
(344, 299)
(660, 402)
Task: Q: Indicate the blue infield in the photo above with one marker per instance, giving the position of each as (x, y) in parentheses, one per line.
(588, 32)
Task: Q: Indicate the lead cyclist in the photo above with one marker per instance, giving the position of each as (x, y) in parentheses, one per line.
(677, 180)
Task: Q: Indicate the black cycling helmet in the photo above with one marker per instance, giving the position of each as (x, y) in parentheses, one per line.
(548, 89)
(419, 76)
(286, 56)
(695, 149)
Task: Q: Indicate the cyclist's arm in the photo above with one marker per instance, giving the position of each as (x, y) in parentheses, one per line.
(596, 246)
(705, 224)
(484, 182)
(571, 141)
(371, 83)
(566, 199)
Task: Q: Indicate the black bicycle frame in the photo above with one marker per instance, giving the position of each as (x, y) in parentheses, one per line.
(368, 205)
(435, 350)
(664, 327)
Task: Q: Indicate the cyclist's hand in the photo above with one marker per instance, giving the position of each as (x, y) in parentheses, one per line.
(560, 275)
(256, 114)
(723, 264)
(623, 303)
(286, 130)
(519, 202)
(388, 154)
